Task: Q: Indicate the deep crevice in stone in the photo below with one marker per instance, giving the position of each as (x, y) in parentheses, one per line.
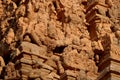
(59, 49)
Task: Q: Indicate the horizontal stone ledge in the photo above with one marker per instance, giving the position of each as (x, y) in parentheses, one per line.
(43, 65)
(31, 54)
(31, 49)
(94, 16)
(27, 61)
(94, 3)
(33, 76)
(24, 71)
(115, 57)
(113, 67)
(108, 58)
(110, 76)
(115, 76)
(19, 66)
(11, 78)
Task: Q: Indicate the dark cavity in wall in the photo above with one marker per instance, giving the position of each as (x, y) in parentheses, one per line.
(98, 55)
(59, 49)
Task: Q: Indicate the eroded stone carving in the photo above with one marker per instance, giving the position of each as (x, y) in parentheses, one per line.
(58, 39)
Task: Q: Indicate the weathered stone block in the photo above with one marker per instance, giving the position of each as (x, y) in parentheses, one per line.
(51, 63)
(32, 49)
(26, 61)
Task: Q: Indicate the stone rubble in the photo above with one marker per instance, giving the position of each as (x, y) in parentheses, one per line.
(59, 39)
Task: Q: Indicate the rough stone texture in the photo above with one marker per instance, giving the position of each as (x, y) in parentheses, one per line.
(59, 39)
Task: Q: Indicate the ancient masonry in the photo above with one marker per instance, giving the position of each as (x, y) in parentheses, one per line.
(109, 59)
(59, 40)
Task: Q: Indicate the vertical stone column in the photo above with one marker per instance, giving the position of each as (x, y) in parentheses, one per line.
(100, 31)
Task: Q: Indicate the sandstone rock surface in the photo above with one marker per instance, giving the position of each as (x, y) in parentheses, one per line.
(59, 39)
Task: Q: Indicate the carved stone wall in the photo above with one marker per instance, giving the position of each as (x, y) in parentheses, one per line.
(59, 40)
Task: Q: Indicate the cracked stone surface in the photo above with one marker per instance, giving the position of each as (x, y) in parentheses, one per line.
(59, 39)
